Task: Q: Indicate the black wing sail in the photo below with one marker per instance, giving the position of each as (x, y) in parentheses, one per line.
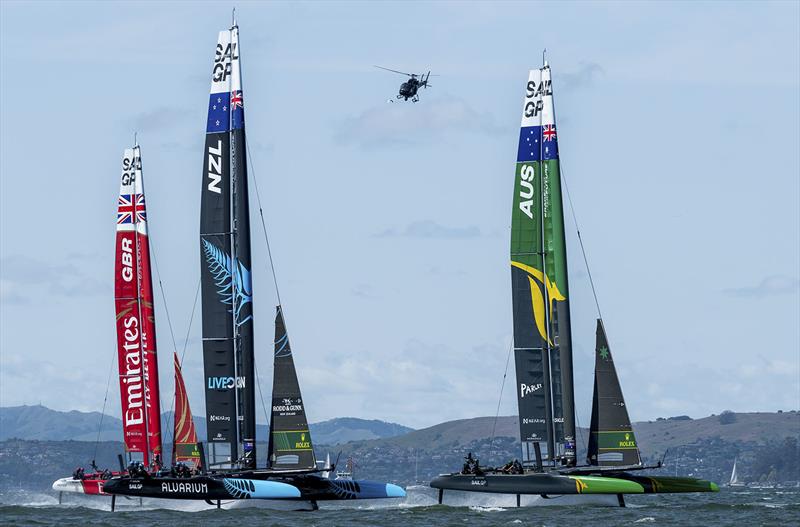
(243, 286)
(216, 273)
(611, 439)
(289, 439)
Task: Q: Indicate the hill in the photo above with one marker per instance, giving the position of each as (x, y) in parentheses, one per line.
(43, 424)
(767, 446)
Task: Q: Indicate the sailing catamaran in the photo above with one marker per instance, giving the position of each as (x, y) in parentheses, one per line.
(136, 336)
(543, 347)
(232, 471)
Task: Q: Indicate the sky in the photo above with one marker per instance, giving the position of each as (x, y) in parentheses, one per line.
(679, 126)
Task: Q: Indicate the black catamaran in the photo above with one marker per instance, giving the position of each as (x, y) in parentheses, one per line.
(543, 349)
(232, 472)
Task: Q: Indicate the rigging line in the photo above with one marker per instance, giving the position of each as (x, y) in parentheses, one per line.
(500, 399)
(260, 394)
(103, 411)
(580, 239)
(579, 431)
(264, 226)
(165, 424)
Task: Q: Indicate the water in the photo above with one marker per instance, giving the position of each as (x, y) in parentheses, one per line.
(741, 506)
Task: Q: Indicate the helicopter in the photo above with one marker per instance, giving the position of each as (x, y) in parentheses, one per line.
(410, 88)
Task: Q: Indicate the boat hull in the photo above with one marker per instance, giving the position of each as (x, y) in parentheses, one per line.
(536, 483)
(561, 484)
(305, 487)
(89, 485)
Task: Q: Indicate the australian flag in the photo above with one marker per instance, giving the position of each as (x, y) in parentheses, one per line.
(537, 143)
(218, 112)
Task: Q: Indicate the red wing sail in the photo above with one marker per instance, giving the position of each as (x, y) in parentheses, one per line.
(149, 357)
(129, 312)
(136, 333)
(185, 447)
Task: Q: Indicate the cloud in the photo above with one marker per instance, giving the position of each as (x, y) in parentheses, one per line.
(408, 124)
(20, 275)
(431, 230)
(769, 286)
(583, 77)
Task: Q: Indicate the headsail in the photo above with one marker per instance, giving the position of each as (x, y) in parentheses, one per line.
(225, 255)
(184, 447)
(611, 438)
(542, 338)
(289, 438)
(136, 338)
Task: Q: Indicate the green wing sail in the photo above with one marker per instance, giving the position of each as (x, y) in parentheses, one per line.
(542, 343)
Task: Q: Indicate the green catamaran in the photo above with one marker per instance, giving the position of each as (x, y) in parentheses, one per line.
(543, 347)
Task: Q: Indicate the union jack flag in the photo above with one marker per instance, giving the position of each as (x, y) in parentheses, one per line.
(549, 132)
(237, 101)
(130, 204)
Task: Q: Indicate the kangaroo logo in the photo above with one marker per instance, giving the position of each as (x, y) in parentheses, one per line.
(539, 283)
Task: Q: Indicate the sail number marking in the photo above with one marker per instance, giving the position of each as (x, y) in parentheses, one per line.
(215, 167)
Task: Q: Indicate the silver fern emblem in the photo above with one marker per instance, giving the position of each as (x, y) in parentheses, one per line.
(219, 265)
(282, 348)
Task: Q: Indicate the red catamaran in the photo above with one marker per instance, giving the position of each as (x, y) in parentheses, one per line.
(136, 346)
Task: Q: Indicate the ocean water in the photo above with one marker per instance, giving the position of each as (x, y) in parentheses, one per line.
(740, 506)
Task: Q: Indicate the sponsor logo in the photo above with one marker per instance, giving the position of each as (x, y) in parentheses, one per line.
(532, 421)
(215, 167)
(288, 406)
(213, 418)
(302, 443)
(129, 168)
(526, 389)
(535, 92)
(478, 482)
(222, 62)
(182, 488)
(132, 379)
(629, 442)
(225, 383)
(135, 485)
(558, 419)
(603, 353)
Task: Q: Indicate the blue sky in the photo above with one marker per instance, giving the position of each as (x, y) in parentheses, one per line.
(679, 126)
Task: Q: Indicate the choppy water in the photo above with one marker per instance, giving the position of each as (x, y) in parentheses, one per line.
(778, 507)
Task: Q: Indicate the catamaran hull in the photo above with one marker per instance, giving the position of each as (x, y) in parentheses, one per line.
(90, 486)
(309, 488)
(201, 488)
(559, 484)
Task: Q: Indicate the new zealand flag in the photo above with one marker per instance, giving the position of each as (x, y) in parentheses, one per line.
(218, 112)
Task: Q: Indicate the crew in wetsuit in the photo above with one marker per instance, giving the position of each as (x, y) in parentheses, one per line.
(516, 467)
(471, 465)
(78, 474)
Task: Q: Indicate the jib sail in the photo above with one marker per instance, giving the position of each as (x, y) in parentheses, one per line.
(289, 438)
(611, 438)
(225, 267)
(136, 338)
(542, 338)
(185, 447)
